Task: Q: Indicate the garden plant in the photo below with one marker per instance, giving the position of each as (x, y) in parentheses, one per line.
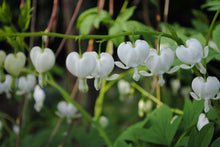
(108, 78)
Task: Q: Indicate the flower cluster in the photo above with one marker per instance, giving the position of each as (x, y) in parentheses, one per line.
(90, 64)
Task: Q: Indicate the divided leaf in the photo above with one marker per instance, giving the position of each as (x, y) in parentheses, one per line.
(5, 13)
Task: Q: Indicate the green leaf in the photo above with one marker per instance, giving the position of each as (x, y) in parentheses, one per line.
(191, 110)
(203, 137)
(86, 25)
(86, 13)
(103, 16)
(200, 16)
(162, 130)
(126, 14)
(212, 5)
(115, 29)
(5, 13)
(128, 135)
(213, 54)
(216, 143)
(200, 26)
(25, 16)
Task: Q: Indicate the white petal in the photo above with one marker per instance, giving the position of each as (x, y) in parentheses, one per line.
(112, 77)
(207, 106)
(201, 68)
(120, 65)
(202, 121)
(97, 83)
(195, 96)
(83, 85)
(174, 69)
(184, 66)
(146, 74)
(161, 81)
(217, 97)
(206, 52)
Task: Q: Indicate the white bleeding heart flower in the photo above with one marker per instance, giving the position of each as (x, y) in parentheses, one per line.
(205, 90)
(42, 59)
(192, 54)
(2, 57)
(67, 110)
(103, 121)
(159, 64)
(104, 66)
(14, 63)
(81, 67)
(5, 86)
(202, 121)
(124, 89)
(133, 56)
(26, 84)
(144, 107)
(39, 97)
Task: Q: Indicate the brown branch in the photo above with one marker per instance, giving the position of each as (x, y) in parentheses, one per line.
(100, 5)
(69, 26)
(146, 12)
(52, 18)
(33, 20)
(165, 15)
(111, 7)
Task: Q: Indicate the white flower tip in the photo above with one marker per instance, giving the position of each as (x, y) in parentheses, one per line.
(202, 121)
(161, 81)
(136, 76)
(206, 52)
(120, 65)
(112, 77)
(144, 73)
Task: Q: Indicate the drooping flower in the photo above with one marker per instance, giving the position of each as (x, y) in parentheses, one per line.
(192, 54)
(5, 86)
(202, 121)
(39, 97)
(132, 56)
(144, 107)
(206, 90)
(104, 66)
(43, 60)
(14, 63)
(26, 84)
(67, 110)
(123, 88)
(81, 67)
(103, 121)
(159, 64)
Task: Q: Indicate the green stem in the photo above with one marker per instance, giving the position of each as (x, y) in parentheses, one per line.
(80, 49)
(106, 37)
(99, 101)
(68, 98)
(212, 26)
(184, 134)
(153, 98)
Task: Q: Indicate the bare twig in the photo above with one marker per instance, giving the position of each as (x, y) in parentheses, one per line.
(165, 15)
(52, 18)
(146, 12)
(111, 7)
(33, 20)
(100, 5)
(55, 131)
(69, 26)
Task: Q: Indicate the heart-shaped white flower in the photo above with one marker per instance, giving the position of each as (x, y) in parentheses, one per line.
(205, 90)
(81, 67)
(39, 97)
(104, 66)
(159, 63)
(202, 121)
(26, 84)
(133, 56)
(14, 63)
(2, 57)
(42, 59)
(191, 54)
(67, 110)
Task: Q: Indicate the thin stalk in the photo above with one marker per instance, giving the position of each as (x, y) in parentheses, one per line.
(211, 27)
(68, 98)
(76, 11)
(106, 37)
(54, 131)
(158, 90)
(80, 49)
(153, 98)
